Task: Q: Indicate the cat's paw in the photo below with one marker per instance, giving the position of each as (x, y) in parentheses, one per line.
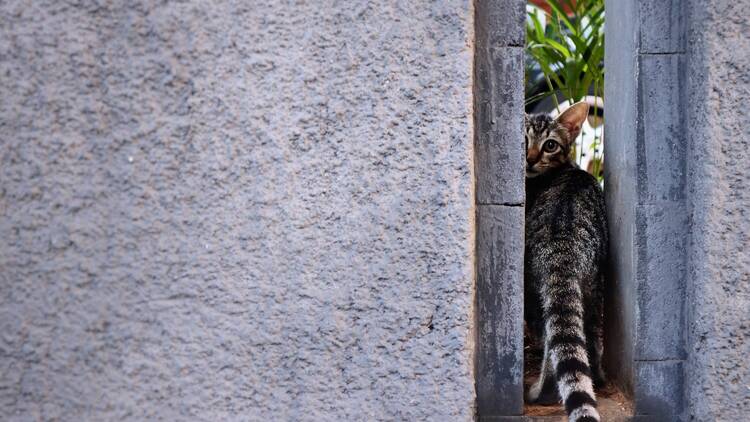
(598, 377)
(545, 394)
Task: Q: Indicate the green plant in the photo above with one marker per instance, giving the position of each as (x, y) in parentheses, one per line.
(569, 51)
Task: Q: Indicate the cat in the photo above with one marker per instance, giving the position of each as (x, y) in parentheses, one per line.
(565, 258)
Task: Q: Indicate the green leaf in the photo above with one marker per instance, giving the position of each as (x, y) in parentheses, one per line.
(558, 10)
(540, 96)
(537, 25)
(569, 50)
(559, 47)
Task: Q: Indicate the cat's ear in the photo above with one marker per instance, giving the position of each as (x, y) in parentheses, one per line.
(573, 118)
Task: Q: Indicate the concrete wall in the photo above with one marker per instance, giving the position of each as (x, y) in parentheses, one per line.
(500, 196)
(222, 211)
(620, 190)
(718, 372)
(230, 210)
(646, 197)
(677, 91)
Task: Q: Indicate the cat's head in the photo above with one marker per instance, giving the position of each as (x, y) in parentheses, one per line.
(548, 140)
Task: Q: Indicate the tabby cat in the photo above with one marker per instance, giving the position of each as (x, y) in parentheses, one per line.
(565, 257)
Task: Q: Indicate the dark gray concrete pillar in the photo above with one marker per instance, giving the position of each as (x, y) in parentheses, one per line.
(499, 158)
(645, 174)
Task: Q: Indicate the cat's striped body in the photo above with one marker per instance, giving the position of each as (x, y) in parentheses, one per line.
(565, 256)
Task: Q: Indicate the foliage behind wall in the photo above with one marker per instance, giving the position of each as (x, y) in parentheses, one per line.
(565, 64)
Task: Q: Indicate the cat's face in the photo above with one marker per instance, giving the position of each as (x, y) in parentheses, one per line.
(548, 141)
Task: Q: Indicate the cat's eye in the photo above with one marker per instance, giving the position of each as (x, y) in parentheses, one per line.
(550, 146)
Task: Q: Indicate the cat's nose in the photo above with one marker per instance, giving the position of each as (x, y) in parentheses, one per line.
(532, 157)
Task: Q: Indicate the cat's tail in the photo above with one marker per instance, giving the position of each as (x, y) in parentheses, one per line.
(565, 340)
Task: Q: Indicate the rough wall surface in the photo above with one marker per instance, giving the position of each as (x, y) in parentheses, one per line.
(500, 195)
(679, 74)
(230, 210)
(718, 375)
(646, 200)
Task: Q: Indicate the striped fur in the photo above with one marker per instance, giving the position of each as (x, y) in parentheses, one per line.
(565, 256)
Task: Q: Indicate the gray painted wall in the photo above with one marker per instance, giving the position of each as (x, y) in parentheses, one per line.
(229, 210)
(718, 75)
(620, 62)
(677, 93)
(646, 195)
(266, 212)
(500, 196)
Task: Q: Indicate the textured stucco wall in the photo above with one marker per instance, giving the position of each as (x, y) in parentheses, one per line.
(718, 373)
(236, 210)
